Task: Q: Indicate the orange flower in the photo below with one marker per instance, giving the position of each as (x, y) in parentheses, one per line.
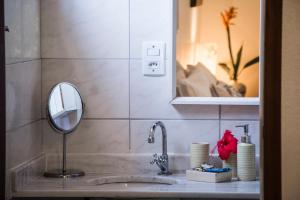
(228, 15)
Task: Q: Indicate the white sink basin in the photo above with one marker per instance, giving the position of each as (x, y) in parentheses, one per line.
(133, 179)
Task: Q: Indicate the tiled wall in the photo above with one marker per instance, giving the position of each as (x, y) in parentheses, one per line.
(23, 83)
(97, 46)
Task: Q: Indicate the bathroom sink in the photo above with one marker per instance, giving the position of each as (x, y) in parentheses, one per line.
(134, 179)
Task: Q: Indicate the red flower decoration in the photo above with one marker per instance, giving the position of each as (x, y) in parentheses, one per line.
(227, 145)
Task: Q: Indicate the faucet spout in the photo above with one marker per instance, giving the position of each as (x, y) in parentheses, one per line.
(161, 161)
(164, 135)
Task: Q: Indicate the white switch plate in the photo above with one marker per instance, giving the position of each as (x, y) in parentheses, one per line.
(154, 58)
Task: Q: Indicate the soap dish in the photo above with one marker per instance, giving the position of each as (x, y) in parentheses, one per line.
(194, 175)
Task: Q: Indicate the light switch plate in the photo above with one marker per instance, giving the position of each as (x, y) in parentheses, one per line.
(154, 58)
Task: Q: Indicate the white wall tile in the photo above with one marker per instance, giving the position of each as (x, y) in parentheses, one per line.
(150, 20)
(23, 93)
(180, 134)
(150, 98)
(94, 43)
(77, 29)
(23, 144)
(240, 112)
(104, 84)
(254, 130)
(92, 136)
(23, 38)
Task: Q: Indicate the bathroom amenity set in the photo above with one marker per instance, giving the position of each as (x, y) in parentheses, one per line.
(238, 159)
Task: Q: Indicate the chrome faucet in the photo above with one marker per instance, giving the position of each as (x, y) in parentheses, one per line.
(161, 161)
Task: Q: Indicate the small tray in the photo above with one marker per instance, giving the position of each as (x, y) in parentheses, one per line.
(194, 175)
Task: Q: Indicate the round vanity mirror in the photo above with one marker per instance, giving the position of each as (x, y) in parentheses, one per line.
(65, 109)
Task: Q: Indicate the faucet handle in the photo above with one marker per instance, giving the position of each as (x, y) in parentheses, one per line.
(155, 156)
(152, 162)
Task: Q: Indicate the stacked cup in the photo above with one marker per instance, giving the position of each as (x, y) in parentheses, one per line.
(199, 154)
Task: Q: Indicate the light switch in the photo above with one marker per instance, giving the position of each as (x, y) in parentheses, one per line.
(153, 52)
(154, 58)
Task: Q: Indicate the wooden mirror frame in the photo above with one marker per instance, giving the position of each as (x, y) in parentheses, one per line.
(271, 118)
(271, 113)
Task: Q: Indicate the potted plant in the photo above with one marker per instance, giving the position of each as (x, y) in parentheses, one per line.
(234, 69)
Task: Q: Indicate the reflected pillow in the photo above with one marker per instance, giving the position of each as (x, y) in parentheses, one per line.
(180, 72)
(198, 82)
(180, 75)
(200, 68)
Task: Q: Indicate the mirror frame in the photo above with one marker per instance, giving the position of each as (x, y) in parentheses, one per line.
(49, 118)
(216, 100)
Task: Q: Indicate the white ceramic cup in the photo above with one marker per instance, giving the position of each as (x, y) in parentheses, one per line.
(199, 153)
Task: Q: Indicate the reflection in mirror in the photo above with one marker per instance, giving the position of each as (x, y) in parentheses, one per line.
(65, 107)
(217, 48)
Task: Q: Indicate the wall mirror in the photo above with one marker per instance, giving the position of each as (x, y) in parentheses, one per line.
(65, 109)
(218, 51)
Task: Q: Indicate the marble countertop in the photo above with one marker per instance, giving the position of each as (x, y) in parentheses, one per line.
(82, 187)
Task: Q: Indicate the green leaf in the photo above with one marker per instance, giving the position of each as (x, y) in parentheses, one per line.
(238, 59)
(225, 67)
(252, 62)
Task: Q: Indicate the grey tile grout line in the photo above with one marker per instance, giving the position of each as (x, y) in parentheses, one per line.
(8, 65)
(40, 2)
(41, 112)
(41, 116)
(95, 59)
(23, 125)
(167, 119)
(129, 73)
(85, 59)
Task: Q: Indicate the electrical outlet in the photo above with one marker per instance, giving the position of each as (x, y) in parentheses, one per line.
(154, 58)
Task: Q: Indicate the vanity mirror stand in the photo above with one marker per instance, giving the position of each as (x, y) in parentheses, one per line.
(65, 109)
